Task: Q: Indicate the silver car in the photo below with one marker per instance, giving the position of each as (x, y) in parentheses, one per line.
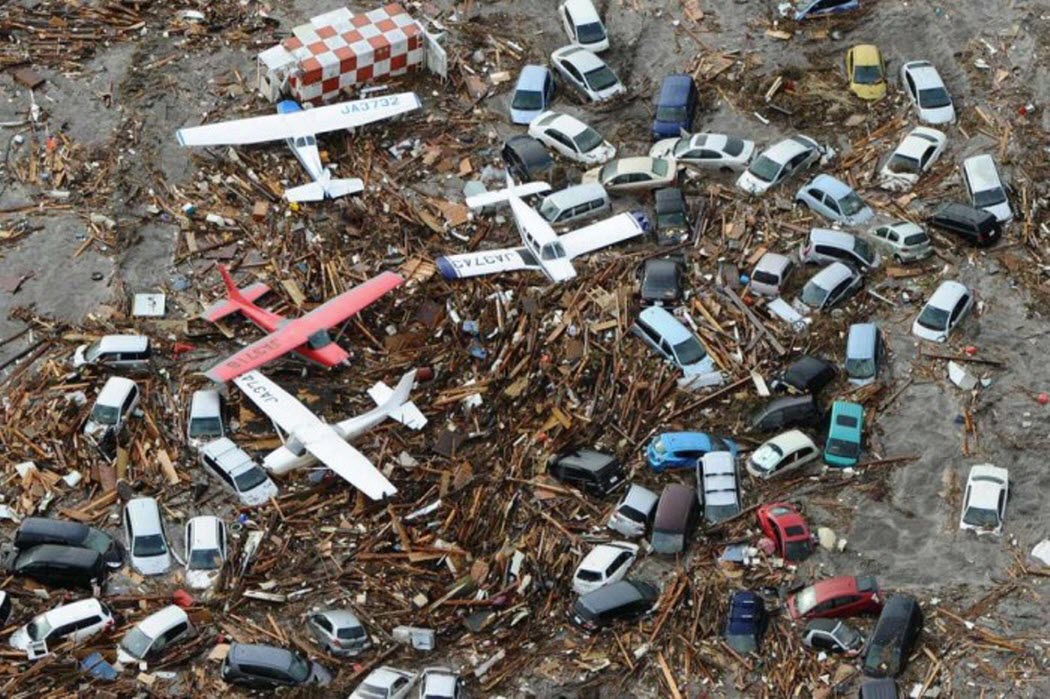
(338, 631)
(634, 512)
(901, 240)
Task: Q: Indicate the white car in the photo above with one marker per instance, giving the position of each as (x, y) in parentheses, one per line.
(985, 187)
(571, 137)
(77, 621)
(148, 549)
(114, 405)
(440, 683)
(386, 683)
(914, 156)
(630, 174)
(779, 162)
(115, 351)
(713, 151)
(903, 241)
(586, 73)
(238, 472)
(785, 452)
(984, 503)
(154, 634)
(205, 550)
(924, 87)
(635, 511)
(946, 309)
(583, 25)
(829, 286)
(604, 565)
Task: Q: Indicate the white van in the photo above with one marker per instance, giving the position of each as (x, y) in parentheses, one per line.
(771, 273)
(205, 550)
(114, 404)
(985, 187)
(148, 638)
(148, 548)
(205, 419)
(75, 622)
(119, 351)
(576, 203)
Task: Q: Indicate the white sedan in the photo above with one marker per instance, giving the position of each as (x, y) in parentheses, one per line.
(946, 309)
(572, 138)
(984, 503)
(627, 174)
(926, 90)
(604, 565)
(587, 73)
(914, 156)
(706, 150)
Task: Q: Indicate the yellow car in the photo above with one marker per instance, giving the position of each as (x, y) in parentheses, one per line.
(866, 71)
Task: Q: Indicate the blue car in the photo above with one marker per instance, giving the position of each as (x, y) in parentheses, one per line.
(804, 9)
(532, 95)
(746, 623)
(675, 106)
(672, 450)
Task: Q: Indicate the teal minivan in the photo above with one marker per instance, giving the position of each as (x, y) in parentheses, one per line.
(844, 436)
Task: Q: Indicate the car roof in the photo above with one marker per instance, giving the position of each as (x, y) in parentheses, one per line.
(123, 343)
(618, 593)
(675, 89)
(947, 295)
(56, 528)
(860, 343)
(847, 409)
(340, 618)
(965, 212)
(790, 517)
(832, 275)
(440, 681)
(72, 556)
(261, 654)
(159, 622)
(205, 403)
(916, 142)
(661, 265)
(904, 228)
(665, 324)
(791, 441)
(773, 263)
(587, 459)
(808, 372)
(830, 185)
(743, 612)
(602, 555)
(986, 482)
(587, 191)
(584, 60)
(385, 676)
(640, 498)
(684, 440)
(783, 151)
(114, 391)
(719, 478)
(924, 74)
(528, 148)
(830, 236)
(833, 587)
(532, 78)
(566, 123)
(676, 501)
(583, 11)
(205, 532)
(229, 457)
(76, 610)
(145, 514)
(668, 199)
(865, 54)
(638, 163)
(982, 173)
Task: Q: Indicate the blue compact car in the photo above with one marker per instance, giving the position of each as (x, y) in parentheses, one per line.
(672, 450)
(675, 106)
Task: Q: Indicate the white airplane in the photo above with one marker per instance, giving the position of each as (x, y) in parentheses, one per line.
(542, 249)
(308, 439)
(299, 128)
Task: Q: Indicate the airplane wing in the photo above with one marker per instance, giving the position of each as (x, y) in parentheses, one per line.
(336, 310)
(476, 264)
(275, 127)
(274, 345)
(610, 231)
(316, 436)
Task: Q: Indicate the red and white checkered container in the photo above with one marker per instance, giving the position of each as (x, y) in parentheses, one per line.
(339, 49)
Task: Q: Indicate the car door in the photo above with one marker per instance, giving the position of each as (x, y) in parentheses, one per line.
(909, 84)
(927, 158)
(957, 312)
(832, 206)
(563, 144)
(570, 23)
(821, 641)
(648, 334)
(548, 89)
(321, 626)
(574, 75)
(667, 350)
(615, 570)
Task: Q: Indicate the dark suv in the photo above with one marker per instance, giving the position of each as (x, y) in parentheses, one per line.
(747, 621)
(626, 599)
(588, 470)
(975, 226)
(672, 216)
(61, 566)
(782, 413)
(35, 531)
(267, 667)
(527, 159)
(895, 634)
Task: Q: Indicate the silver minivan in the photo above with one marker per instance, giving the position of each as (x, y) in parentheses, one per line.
(825, 245)
(771, 273)
(863, 353)
(205, 420)
(119, 351)
(576, 203)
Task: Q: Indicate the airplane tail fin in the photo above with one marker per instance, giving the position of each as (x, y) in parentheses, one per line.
(341, 187)
(480, 201)
(236, 299)
(396, 404)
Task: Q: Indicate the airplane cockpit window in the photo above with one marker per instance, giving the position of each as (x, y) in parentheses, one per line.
(552, 251)
(300, 142)
(311, 141)
(319, 339)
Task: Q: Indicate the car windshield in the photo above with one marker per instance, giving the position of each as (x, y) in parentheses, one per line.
(587, 140)
(716, 513)
(205, 559)
(863, 250)
(989, 197)
(350, 632)
(93, 350)
(934, 98)
(733, 147)
(590, 33)
(765, 169)
(916, 239)
(681, 147)
(249, 479)
(671, 218)
(851, 204)
(600, 78)
(371, 691)
(766, 278)
(841, 447)
(805, 600)
(667, 541)
(136, 643)
(527, 100)
(631, 513)
(205, 427)
(689, 351)
(860, 368)
(980, 517)
(813, 295)
(105, 414)
(671, 114)
(767, 457)
(847, 636)
(299, 669)
(796, 550)
(38, 629)
(152, 545)
(867, 75)
(933, 318)
(549, 210)
(589, 576)
(660, 167)
(904, 165)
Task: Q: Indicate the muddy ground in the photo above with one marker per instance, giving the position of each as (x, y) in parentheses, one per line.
(905, 531)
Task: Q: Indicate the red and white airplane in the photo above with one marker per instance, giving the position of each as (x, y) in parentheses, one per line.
(307, 335)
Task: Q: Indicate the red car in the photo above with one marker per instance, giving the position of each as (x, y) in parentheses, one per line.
(782, 523)
(836, 597)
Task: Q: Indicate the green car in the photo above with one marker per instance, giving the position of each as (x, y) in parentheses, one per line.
(847, 429)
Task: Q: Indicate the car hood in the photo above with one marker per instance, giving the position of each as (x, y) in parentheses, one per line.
(20, 639)
(524, 116)
(260, 495)
(870, 92)
(750, 183)
(896, 181)
(591, 175)
(1002, 212)
(152, 565)
(319, 675)
(78, 357)
(201, 579)
(663, 148)
(862, 216)
(602, 154)
(941, 115)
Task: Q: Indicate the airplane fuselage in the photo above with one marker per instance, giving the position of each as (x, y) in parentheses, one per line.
(284, 460)
(304, 147)
(541, 241)
(324, 352)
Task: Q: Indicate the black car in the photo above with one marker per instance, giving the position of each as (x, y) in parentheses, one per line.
(975, 226)
(883, 688)
(782, 413)
(895, 634)
(588, 470)
(527, 159)
(807, 375)
(61, 566)
(35, 531)
(660, 282)
(672, 216)
(747, 621)
(626, 599)
(268, 667)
